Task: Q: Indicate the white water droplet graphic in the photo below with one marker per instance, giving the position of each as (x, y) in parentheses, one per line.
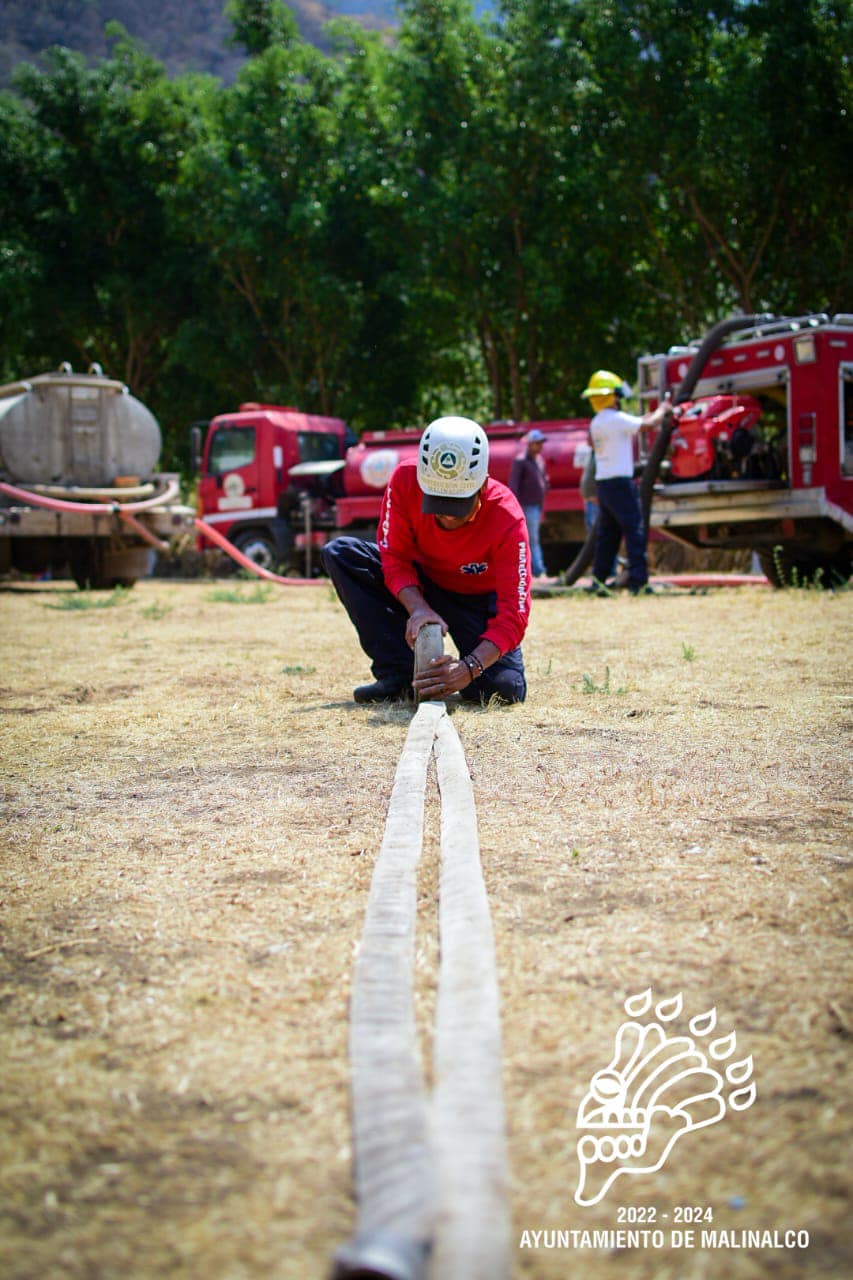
(739, 1071)
(743, 1098)
(636, 1006)
(724, 1047)
(669, 1009)
(703, 1024)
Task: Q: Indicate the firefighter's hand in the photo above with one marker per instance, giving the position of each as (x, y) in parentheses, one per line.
(443, 676)
(656, 417)
(419, 618)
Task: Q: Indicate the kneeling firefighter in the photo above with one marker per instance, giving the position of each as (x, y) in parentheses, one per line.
(452, 549)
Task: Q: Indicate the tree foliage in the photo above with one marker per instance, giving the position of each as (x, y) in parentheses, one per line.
(467, 218)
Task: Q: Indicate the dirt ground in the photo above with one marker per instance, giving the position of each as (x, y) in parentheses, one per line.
(192, 808)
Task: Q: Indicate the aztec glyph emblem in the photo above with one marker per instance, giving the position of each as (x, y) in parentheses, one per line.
(658, 1086)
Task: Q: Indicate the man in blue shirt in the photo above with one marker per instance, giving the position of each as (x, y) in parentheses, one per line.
(528, 480)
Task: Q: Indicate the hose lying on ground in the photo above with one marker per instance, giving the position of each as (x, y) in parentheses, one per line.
(213, 535)
(432, 1184)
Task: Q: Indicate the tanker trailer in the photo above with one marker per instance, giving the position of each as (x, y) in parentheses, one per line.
(79, 490)
(370, 462)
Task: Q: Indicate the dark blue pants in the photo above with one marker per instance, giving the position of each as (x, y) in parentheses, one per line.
(355, 569)
(620, 515)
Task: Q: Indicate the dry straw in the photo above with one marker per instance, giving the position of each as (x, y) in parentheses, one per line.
(192, 809)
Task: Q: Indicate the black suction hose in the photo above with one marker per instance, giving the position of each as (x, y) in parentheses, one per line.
(685, 392)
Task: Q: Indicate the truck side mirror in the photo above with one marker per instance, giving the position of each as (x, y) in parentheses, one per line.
(195, 450)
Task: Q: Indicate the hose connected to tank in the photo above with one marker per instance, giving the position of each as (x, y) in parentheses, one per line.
(99, 508)
(126, 511)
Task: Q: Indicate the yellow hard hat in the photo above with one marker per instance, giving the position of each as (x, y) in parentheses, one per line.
(605, 383)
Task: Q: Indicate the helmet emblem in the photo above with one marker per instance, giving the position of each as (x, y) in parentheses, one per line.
(447, 463)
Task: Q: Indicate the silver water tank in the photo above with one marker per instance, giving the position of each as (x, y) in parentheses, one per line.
(69, 428)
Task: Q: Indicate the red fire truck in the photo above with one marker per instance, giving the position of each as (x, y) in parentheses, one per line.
(762, 454)
(279, 483)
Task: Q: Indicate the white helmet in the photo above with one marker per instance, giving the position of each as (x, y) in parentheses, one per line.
(453, 463)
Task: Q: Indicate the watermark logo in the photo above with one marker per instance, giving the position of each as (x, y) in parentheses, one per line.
(658, 1086)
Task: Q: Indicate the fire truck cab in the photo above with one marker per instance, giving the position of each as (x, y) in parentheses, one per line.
(246, 469)
(762, 456)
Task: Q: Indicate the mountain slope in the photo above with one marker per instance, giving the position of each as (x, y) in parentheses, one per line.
(188, 36)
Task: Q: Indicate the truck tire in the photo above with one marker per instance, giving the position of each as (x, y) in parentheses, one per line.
(96, 567)
(793, 567)
(258, 546)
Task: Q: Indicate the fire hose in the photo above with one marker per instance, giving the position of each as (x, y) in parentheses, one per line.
(685, 392)
(213, 535)
(651, 470)
(431, 1174)
(126, 511)
(99, 508)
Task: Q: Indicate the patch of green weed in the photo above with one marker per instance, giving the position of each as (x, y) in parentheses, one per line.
(156, 610)
(259, 594)
(790, 576)
(589, 685)
(78, 601)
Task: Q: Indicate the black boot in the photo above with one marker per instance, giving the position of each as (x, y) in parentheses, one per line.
(388, 689)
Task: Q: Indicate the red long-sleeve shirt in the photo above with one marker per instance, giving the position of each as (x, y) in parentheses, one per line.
(489, 553)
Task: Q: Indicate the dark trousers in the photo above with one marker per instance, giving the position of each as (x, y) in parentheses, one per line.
(620, 515)
(355, 569)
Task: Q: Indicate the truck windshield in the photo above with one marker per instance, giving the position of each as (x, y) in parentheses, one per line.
(318, 446)
(230, 448)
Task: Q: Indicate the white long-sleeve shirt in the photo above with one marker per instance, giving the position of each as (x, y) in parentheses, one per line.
(612, 432)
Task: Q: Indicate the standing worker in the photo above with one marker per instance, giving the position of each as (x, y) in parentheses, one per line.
(452, 550)
(528, 479)
(612, 433)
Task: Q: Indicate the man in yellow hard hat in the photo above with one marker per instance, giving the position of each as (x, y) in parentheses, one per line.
(612, 434)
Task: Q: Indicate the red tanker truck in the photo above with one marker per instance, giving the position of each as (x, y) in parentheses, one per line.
(279, 483)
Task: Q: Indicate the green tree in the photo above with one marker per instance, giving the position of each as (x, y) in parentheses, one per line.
(728, 121)
(470, 218)
(392, 355)
(255, 194)
(104, 280)
(507, 202)
(25, 207)
(258, 24)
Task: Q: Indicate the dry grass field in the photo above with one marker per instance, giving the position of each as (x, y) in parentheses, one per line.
(192, 807)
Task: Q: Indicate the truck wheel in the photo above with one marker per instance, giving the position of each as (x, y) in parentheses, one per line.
(95, 567)
(87, 567)
(558, 554)
(259, 547)
(790, 567)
